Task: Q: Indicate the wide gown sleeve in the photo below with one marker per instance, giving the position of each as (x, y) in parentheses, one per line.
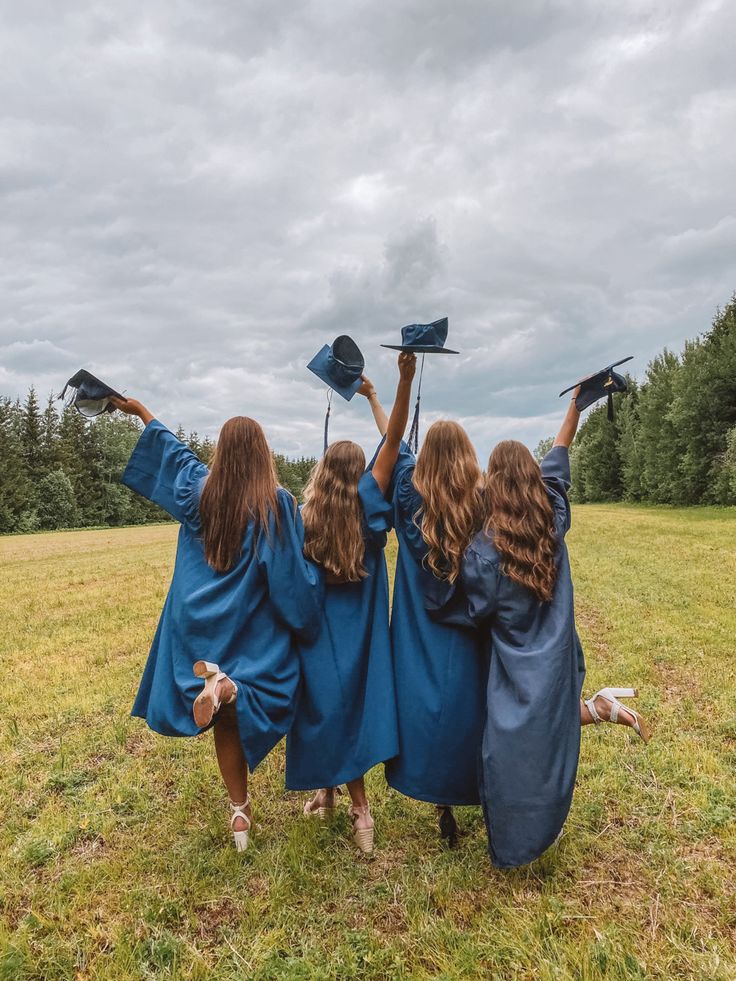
(164, 470)
(407, 503)
(377, 511)
(295, 585)
(556, 476)
(471, 599)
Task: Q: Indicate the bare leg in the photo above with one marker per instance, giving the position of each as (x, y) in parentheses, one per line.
(231, 761)
(362, 815)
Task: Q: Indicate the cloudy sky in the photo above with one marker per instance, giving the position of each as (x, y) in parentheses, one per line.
(194, 197)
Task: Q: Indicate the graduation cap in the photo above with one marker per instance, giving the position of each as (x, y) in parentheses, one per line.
(89, 395)
(340, 365)
(601, 384)
(422, 339)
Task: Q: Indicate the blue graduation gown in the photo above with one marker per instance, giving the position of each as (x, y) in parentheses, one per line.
(345, 721)
(531, 741)
(440, 672)
(246, 620)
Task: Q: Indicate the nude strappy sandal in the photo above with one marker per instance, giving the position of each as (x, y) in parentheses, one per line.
(242, 838)
(363, 837)
(207, 704)
(612, 695)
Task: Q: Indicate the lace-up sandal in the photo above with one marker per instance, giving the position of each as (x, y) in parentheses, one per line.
(363, 837)
(612, 695)
(242, 838)
(207, 704)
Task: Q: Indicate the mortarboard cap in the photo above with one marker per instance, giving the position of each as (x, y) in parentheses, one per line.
(89, 395)
(424, 338)
(340, 365)
(600, 385)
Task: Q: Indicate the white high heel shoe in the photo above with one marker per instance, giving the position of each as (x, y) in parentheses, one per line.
(207, 704)
(612, 695)
(363, 837)
(242, 838)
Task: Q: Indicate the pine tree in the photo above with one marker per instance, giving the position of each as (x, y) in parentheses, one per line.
(32, 435)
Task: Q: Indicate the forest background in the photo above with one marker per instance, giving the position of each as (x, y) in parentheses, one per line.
(673, 441)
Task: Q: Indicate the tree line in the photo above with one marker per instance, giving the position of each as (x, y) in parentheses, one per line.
(673, 440)
(59, 470)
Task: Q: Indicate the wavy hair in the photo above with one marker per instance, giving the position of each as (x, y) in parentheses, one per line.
(519, 516)
(333, 518)
(241, 487)
(449, 480)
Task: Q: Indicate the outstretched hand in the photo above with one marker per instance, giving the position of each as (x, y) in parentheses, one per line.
(407, 365)
(132, 407)
(367, 387)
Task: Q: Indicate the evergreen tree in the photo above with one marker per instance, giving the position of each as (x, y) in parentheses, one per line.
(659, 445)
(629, 449)
(32, 435)
(14, 484)
(57, 506)
(598, 465)
(704, 411)
(49, 435)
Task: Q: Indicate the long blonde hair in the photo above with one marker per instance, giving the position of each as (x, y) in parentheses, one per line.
(519, 515)
(241, 487)
(333, 518)
(448, 478)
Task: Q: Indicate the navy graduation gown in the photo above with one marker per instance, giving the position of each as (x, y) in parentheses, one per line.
(345, 721)
(440, 670)
(531, 741)
(246, 620)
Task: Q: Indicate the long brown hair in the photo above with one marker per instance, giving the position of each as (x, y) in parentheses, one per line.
(241, 487)
(333, 519)
(448, 478)
(520, 518)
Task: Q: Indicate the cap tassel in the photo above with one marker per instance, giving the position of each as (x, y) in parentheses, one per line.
(327, 419)
(610, 407)
(414, 431)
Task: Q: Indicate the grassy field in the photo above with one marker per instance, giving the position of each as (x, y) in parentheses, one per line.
(115, 855)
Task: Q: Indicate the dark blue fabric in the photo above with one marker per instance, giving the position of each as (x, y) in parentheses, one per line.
(346, 717)
(531, 741)
(424, 338)
(246, 620)
(441, 673)
(420, 334)
(342, 376)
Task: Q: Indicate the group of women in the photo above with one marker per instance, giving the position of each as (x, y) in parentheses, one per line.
(277, 623)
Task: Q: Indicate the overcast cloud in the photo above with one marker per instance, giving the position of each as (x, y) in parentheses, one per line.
(194, 197)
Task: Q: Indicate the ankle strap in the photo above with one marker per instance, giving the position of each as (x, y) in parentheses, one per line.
(237, 811)
(590, 705)
(237, 807)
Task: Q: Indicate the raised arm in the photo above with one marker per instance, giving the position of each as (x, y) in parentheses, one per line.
(133, 407)
(379, 413)
(383, 468)
(569, 424)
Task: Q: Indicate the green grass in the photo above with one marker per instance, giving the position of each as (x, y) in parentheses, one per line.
(114, 848)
